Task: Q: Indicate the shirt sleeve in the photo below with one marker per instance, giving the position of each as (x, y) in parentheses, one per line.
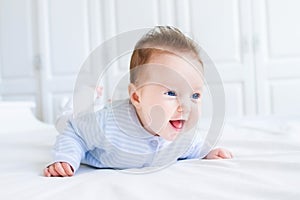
(67, 113)
(197, 148)
(194, 152)
(70, 146)
(80, 135)
(63, 117)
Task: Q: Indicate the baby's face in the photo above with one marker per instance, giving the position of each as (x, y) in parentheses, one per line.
(169, 95)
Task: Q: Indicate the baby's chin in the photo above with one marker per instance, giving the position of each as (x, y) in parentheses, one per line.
(171, 129)
(170, 137)
(165, 134)
(170, 134)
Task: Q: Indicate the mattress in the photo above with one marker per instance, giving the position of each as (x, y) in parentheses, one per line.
(266, 165)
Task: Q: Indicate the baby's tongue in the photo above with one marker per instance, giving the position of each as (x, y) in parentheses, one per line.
(177, 123)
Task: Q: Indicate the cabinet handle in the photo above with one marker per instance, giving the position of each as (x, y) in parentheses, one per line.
(37, 63)
(244, 45)
(256, 43)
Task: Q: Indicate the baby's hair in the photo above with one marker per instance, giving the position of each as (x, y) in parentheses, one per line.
(161, 39)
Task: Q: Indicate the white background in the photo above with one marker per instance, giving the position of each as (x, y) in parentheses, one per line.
(254, 43)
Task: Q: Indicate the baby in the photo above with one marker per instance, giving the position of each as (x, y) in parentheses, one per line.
(165, 93)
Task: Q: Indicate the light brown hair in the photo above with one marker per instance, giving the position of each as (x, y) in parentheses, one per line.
(161, 39)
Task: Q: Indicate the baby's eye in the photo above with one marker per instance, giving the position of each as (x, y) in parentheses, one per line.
(170, 93)
(196, 96)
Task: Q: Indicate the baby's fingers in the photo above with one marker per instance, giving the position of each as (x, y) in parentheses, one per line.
(52, 171)
(224, 154)
(67, 168)
(59, 169)
(99, 90)
(46, 172)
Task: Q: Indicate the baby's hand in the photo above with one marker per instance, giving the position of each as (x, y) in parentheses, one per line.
(59, 169)
(219, 153)
(99, 91)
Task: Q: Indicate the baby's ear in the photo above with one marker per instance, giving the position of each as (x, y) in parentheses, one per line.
(134, 95)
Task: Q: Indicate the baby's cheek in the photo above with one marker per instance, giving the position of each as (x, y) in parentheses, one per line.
(194, 117)
(157, 117)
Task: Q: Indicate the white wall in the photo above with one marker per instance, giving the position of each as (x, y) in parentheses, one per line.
(254, 43)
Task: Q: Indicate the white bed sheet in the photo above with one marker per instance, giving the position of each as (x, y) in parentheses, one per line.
(266, 166)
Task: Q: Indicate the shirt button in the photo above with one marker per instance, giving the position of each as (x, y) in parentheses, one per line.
(153, 143)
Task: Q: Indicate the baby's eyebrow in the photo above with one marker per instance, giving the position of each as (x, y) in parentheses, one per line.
(198, 88)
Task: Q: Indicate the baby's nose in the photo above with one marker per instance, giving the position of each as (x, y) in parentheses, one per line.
(179, 108)
(184, 106)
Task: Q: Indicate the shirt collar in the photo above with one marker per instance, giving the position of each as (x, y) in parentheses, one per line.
(126, 119)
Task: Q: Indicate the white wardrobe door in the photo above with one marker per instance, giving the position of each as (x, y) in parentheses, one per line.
(64, 44)
(277, 55)
(17, 50)
(223, 29)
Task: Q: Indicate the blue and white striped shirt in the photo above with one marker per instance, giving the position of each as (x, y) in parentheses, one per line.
(114, 138)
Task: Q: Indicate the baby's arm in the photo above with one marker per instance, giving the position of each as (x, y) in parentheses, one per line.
(68, 152)
(67, 110)
(219, 153)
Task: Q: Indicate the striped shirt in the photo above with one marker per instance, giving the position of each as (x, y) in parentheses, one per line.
(113, 137)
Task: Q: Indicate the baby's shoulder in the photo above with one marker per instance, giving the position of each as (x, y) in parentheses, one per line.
(113, 110)
(122, 103)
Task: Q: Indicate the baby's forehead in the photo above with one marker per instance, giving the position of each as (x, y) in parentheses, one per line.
(171, 76)
(182, 63)
(170, 56)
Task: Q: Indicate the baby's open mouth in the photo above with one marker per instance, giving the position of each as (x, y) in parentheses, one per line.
(177, 124)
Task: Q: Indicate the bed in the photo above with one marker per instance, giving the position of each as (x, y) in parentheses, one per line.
(266, 165)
